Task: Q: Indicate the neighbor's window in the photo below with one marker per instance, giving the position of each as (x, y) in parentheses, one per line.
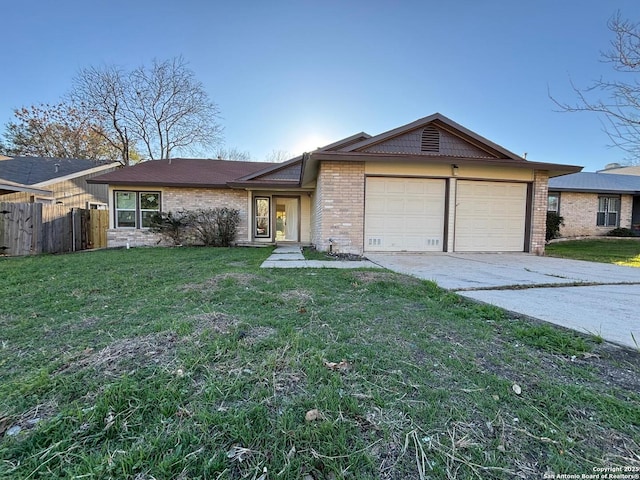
(553, 203)
(608, 211)
(262, 216)
(136, 209)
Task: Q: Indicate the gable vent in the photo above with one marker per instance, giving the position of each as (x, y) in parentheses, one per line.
(430, 140)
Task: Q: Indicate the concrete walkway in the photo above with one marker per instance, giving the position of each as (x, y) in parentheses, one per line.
(290, 256)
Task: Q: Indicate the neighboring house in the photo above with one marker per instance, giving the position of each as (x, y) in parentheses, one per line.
(61, 181)
(618, 169)
(595, 203)
(428, 186)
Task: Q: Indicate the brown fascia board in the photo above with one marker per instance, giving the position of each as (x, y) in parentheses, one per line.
(147, 183)
(345, 141)
(253, 185)
(446, 124)
(554, 169)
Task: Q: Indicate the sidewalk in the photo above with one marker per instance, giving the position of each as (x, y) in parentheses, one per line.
(290, 256)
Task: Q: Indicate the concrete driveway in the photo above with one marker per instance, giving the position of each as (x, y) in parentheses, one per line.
(589, 297)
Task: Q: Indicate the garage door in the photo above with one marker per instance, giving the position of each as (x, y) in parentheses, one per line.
(404, 214)
(490, 216)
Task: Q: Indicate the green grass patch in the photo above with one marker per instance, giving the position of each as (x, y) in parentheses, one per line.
(196, 363)
(619, 252)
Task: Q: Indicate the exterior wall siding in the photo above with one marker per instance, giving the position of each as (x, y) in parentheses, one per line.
(176, 199)
(74, 193)
(338, 210)
(580, 211)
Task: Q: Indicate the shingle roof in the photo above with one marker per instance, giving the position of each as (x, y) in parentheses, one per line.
(596, 182)
(35, 170)
(182, 172)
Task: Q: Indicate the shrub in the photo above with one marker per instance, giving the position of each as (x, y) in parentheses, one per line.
(171, 227)
(554, 222)
(621, 232)
(215, 227)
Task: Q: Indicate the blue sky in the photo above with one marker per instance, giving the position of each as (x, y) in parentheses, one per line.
(294, 75)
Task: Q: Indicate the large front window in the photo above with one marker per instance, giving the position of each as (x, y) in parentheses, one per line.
(136, 209)
(608, 211)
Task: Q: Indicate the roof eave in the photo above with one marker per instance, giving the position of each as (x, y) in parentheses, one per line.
(553, 168)
(594, 190)
(141, 183)
(263, 185)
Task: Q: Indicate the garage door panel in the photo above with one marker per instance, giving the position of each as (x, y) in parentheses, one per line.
(490, 216)
(404, 214)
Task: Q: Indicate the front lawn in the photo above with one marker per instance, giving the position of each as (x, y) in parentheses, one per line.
(621, 252)
(194, 363)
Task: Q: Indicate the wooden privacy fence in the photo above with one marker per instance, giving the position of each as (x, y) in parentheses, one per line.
(32, 228)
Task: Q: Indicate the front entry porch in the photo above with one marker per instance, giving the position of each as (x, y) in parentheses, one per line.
(278, 218)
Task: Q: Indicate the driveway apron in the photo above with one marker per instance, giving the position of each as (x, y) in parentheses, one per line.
(592, 298)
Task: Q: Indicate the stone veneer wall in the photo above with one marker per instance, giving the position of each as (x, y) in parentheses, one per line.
(580, 211)
(338, 207)
(175, 199)
(539, 212)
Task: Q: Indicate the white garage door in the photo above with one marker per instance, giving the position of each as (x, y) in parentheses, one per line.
(404, 214)
(490, 216)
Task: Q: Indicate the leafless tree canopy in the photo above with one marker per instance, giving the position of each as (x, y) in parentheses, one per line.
(617, 100)
(278, 156)
(57, 130)
(157, 111)
(232, 153)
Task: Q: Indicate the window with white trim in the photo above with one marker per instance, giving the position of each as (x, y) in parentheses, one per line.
(135, 209)
(608, 211)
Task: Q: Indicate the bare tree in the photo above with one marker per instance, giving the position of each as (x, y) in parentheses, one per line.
(621, 105)
(232, 153)
(278, 156)
(57, 130)
(102, 95)
(157, 111)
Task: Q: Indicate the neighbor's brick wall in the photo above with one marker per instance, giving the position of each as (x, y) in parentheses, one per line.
(580, 211)
(175, 199)
(539, 212)
(338, 207)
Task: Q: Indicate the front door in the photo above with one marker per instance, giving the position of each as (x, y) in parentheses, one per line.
(287, 221)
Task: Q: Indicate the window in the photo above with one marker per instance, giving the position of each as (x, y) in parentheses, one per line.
(136, 209)
(262, 216)
(608, 211)
(553, 202)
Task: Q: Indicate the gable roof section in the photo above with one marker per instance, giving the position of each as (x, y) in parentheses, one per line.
(466, 148)
(596, 183)
(285, 174)
(42, 171)
(182, 172)
(482, 146)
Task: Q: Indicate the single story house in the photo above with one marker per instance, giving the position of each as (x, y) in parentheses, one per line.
(429, 186)
(61, 181)
(595, 203)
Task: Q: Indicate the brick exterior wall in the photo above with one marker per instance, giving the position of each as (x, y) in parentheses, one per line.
(338, 207)
(175, 199)
(539, 212)
(580, 211)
